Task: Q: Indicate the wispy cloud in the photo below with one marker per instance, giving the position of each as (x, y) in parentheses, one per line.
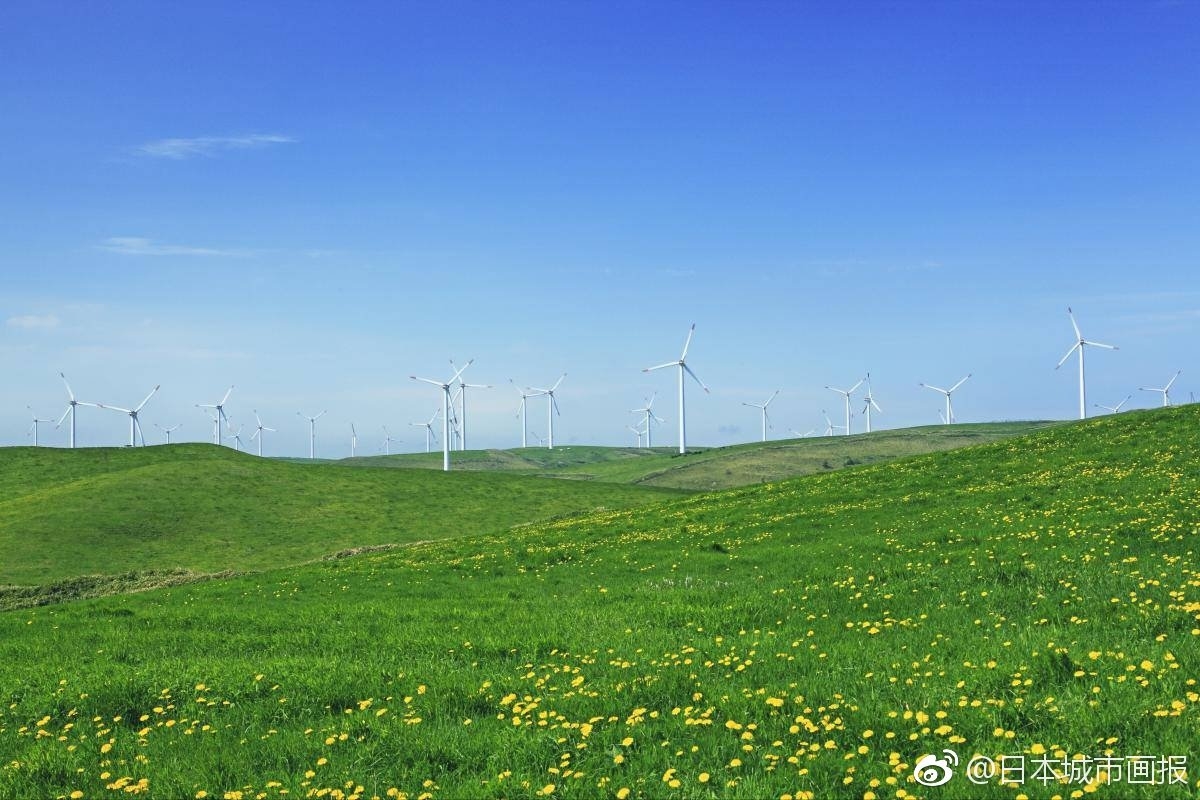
(33, 322)
(209, 145)
(138, 246)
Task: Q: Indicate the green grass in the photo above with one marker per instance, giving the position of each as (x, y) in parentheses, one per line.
(65, 513)
(810, 638)
(711, 468)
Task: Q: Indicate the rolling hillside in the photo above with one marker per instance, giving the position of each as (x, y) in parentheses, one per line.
(1038, 597)
(202, 508)
(705, 469)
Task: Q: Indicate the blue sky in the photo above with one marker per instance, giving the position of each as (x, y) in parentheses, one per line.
(314, 201)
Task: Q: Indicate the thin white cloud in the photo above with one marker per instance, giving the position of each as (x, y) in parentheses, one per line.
(34, 322)
(179, 149)
(139, 246)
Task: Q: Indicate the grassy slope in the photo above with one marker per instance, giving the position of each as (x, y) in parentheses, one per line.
(718, 467)
(65, 513)
(817, 635)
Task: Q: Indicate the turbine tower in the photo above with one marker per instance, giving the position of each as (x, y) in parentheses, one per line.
(237, 437)
(353, 440)
(762, 408)
(1117, 408)
(167, 431)
(869, 403)
(312, 433)
(72, 408)
(525, 393)
(34, 428)
(445, 387)
(258, 432)
(683, 367)
(845, 393)
(428, 426)
(829, 426)
(216, 421)
(1165, 391)
(551, 407)
(135, 427)
(1081, 343)
(649, 418)
(636, 432)
(221, 417)
(948, 419)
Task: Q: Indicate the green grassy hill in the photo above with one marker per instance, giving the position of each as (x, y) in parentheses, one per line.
(812, 638)
(198, 507)
(711, 468)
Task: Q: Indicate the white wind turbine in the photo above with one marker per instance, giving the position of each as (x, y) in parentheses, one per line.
(34, 428)
(1080, 343)
(551, 406)
(683, 367)
(845, 393)
(258, 432)
(353, 440)
(1117, 408)
(800, 435)
(135, 427)
(869, 403)
(72, 408)
(216, 421)
(168, 431)
(387, 441)
(541, 440)
(428, 426)
(455, 435)
(648, 418)
(221, 416)
(525, 395)
(948, 419)
(636, 432)
(829, 426)
(312, 433)
(237, 437)
(445, 387)
(1165, 391)
(462, 407)
(763, 408)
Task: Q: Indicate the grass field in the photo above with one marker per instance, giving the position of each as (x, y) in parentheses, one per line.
(706, 469)
(202, 508)
(810, 638)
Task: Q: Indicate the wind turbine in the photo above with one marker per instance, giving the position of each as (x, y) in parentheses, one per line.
(167, 431)
(551, 406)
(1165, 391)
(845, 393)
(763, 408)
(353, 440)
(800, 435)
(34, 428)
(649, 419)
(540, 439)
(216, 421)
(942, 416)
(237, 437)
(445, 387)
(72, 408)
(258, 432)
(462, 406)
(1117, 408)
(637, 432)
(683, 367)
(525, 395)
(829, 426)
(869, 403)
(387, 441)
(949, 418)
(221, 417)
(135, 427)
(312, 433)
(1080, 343)
(456, 438)
(428, 426)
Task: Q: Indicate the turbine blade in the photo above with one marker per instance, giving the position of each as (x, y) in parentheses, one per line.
(64, 416)
(688, 370)
(960, 383)
(1071, 314)
(64, 380)
(461, 370)
(688, 343)
(147, 400)
(661, 366)
(438, 384)
(558, 382)
(1177, 374)
(226, 397)
(772, 397)
(1063, 360)
(855, 386)
(1098, 344)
